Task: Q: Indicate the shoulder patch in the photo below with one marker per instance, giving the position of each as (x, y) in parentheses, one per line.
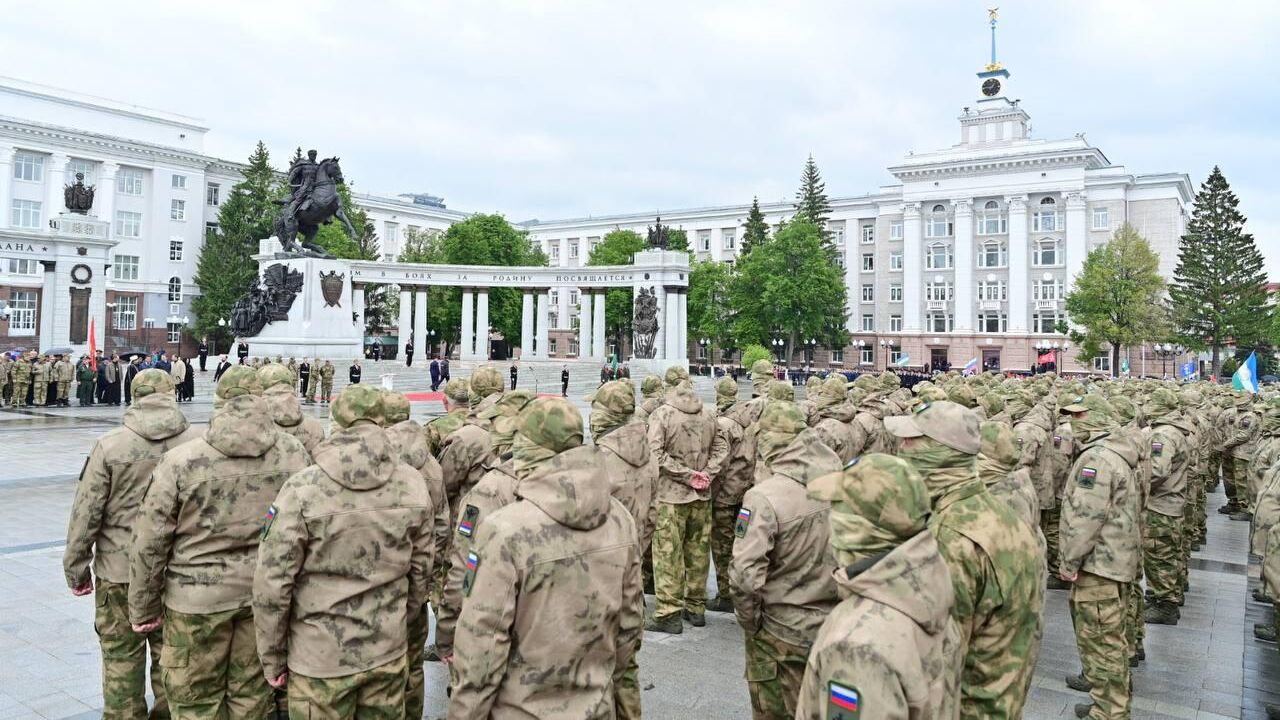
(1157, 448)
(1244, 421)
(744, 522)
(843, 701)
(467, 525)
(1057, 440)
(469, 577)
(271, 517)
(1087, 477)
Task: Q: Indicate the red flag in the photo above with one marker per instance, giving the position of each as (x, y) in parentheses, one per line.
(1045, 358)
(93, 347)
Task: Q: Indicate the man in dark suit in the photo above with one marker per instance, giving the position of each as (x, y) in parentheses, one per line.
(242, 352)
(564, 381)
(354, 373)
(223, 366)
(408, 354)
(203, 352)
(304, 374)
(435, 374)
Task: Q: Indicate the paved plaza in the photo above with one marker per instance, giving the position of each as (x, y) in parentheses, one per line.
(1208, 666)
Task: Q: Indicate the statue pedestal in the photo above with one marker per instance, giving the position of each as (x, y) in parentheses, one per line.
(316, 326)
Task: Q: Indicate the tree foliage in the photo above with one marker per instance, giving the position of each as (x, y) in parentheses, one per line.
(754, 352)
(788, 288)
(710, 313)
(755, 231)
(1219, 294)
(333, 237)
(618, 248)
(813, 206)
(1116, 300)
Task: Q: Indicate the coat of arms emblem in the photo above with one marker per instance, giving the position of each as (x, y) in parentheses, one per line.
(331, 288)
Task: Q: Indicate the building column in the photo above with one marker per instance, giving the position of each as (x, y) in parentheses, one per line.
(467, 332)
(6, 183)
(104, 199)
(660, 338)
(404, 325)
(964, 264)
(912, 266)
(682, 324)
(357, 306)
(526, 325)
(672, 315)
(48, 304)
(540, 347)
(1076, 233)
(585, 347)
(421, 346)
(55, 170)
(482, 324)
(1019, 263)
(597, 329)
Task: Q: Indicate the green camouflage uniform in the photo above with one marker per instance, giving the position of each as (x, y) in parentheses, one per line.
(1063, 449)
(1162, 539)
(40, 379)
(112, 485)
(286, 411)
(195, 546)
(313, 380)
(1242, 443)
(63, 374)
(326, 381)
(833, 417)
(884, 642)
(21, 376)
(737, 473)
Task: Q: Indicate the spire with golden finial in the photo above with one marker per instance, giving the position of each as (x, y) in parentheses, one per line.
(994, 14)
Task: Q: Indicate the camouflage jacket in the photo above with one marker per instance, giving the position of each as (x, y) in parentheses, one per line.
(553, 610)
(1101, 510)
(839, 429)
(646, 408)
(1266, 516)
(196, 538)
(441, 428)
(1170, 459)
(63, 371)
(40, 376)
(21, 372)
(998, 575)
(497, 489)
(905, 595)
(287, 414)
(410, 441)
(112, 484)
(346, 544)
(781, 570)
(737, 471)
(683, 439)
(1063, 451)
(1242, 437)
(633, 474)
(1034, 432)
(464, 457)
(877, 439)
(325, 372)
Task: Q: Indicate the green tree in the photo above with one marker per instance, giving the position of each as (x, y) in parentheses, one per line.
(225, 270)
(678, 241)
(333, 237)
(813, 206)
(788, 289)
(619, 248)
(755, 231)
(754, 352)
(1117, 298)
(1219, 289)
(710, 314)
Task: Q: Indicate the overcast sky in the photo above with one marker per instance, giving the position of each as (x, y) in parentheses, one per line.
(560, 109)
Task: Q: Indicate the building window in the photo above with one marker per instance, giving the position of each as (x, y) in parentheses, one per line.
(22, 312)
(993, 254)
(867, 356)
(128, 224)
(868, 234)
(868, 322)
(1045, 322)
(173, 332)
(704, 241)
(551, 346)
(837, 356)
(555, 250)
(24, 267)
(26, 214)
(592, 242)
(895, 323)
(895, 355)
(175, 289)
(992, 291)
(939, 223)
(175, 250)
(1102, 363)
(175, 308)
(1046, 253)
(212, 194)
(868, 293)
(179, 182)
(868, 262)
(938, 322)
(125, 267)
(1047, 290)
(28, 166)
(1047, 219)
(991, 221)
(895, 261)
(895, 230)
(729, 238)
(126, 314)
(210, 229)
(992, 322)
(938, 256)
(573, 346)
(895, 293)
(88, 168)
(1101, 219)
(939, 292)
(177, 209)
(573, 249)
(837, 236)
(553, 297)
(392, 232)
(129, 181)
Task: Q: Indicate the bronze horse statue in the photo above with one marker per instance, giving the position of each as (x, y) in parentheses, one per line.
(319, 208)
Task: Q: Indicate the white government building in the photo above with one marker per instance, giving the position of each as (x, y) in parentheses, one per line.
(969, 255)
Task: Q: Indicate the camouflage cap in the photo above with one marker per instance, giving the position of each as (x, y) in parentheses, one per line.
(1192, 397)
(782, 416)
(833, 388)
(726, 387)
(962, 394)
(812, 383)
(991, 402)
(485, 381)
(509, 406)
(1162, 401)
(675, 375)
(1124, 408)
(395, 407)
(457, 391)
(1071, 402)
(865, 381)
(883, 489)
(1098, 405)
(152, 381)
(779, 390)
(614, 396)
(933, 393)
(273, 374)
(922, 385)
(236, 381)
(651, 386)
(358, 403)
(955, 426)
(889, 381)
(552, 423)
(999, 443)
(762, 367)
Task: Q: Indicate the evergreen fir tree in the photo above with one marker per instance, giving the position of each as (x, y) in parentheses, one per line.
(813, 206)
(1219, 293)
(755, 231)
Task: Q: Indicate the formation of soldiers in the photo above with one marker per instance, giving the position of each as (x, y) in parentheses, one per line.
(33, 379)
(886, 551)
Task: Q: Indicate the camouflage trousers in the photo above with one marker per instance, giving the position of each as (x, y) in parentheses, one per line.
(681, 558)
(377, 694)
(311, 387)
(64, 391)
(124, 657)
(1239, 479)
(775, 670)
(326, 390)
(415, 687)
(1098, 612)
(20, 390)
(211, 668)
(1049, 519)
(1135, 622)
(1161, 551)
(723, 518)
(626, 692)
(1228, 472)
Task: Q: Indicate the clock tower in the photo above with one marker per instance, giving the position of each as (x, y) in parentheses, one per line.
(997, 117)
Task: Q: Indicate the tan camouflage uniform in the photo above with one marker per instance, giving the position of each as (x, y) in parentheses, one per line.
(834, 419)
(286, 411)
(326, 381)
(21, 374)
(1162, 538)
(737, 473)
(652, 390)
(63, 374)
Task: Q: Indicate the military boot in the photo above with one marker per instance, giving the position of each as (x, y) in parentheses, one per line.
(1083, 709)
(695, 619)
(1161, 613)
(670, 625)
(722, 603)
(1241, 516)
(1260, 595)
(1079, 682)
(1229, 508)
(1265, 631)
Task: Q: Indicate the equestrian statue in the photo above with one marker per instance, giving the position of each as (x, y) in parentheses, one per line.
(313, 201)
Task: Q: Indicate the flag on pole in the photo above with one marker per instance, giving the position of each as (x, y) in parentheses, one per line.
(93, 347)
(1046, 358)
(903, 360)
(1124, 366)
(1190, 370)
(971, 367)
(1246, 378)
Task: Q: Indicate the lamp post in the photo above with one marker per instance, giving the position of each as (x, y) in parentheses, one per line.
(222, 328)
(705, 355)
(859, 344)
(1166, 351)
(810, 348)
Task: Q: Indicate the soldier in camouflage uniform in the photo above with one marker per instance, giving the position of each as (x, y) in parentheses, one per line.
(21, 374)
(1225, 430)
(456, 399)
(313, 381)
(882, 648)
(1101, 551)
(781, 572)
(293, 370)
(1062, 451)
(1130, 423)
(1243, 443)
(195, 545)
(40, 380)
(688, 450)
(63, 374)
(466, 453)
(286, 411)
(1006, 479)
(555, 575)
(112, 484)
(347, 544)
(653, 391)
(994, 559)
(832, 416)
(326, 382)
(1162, 537)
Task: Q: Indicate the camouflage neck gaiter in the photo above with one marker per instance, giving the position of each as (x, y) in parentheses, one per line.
(855, 538)
(604, 420)
(502, 435)
(1091, 423)
(943, 468)
(528, 455)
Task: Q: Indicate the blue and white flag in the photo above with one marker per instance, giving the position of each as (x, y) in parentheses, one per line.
(1190, 371)
(1246, 378)
(903, 360)
(971, 367)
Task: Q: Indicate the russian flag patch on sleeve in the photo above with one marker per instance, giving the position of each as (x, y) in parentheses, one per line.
(744, 521)
(271, 516)
(842, 701)
(469, 577)
(1087, 477)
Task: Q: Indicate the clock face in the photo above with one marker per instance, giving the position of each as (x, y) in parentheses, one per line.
(991, 87)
